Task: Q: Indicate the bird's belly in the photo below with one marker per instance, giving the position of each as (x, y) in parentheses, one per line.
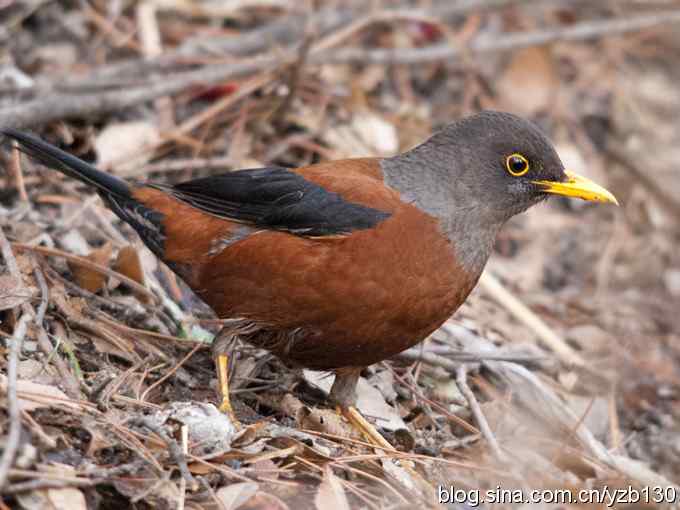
(346, 302)
(357, 335)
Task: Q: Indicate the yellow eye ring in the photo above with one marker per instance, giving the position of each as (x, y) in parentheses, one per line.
(517, 164)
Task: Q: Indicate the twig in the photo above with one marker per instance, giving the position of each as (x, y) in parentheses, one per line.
(55, 106)
(525, 315)
(193, 122)
(546, 404)
(15, 165)
(450, 359)
(41, 484)
(71, 385)
(139, 289)
(48, 106)
(184, 431)
(457, 420)
(577, 32)
(285, 30)
(293, 79)
(461, 380)
(171, 371)
(664, 195)
(48, 441)
(173, 448)
(13, 409)
(44, 296)
(150, 37)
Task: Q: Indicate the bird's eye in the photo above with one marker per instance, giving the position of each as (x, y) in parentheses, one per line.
(517, 164)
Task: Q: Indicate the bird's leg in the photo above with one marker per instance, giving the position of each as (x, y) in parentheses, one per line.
(220, 348)
(344, 394)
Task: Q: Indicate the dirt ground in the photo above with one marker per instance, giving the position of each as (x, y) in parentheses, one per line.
(561, 371)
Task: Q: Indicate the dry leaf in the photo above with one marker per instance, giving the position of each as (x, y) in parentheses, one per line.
(73, 241)
(236, 495)
(264, 501)
(331, 495)
(209, 427)
(12, 292)
(369, 400)
(121, 145)
(323, 420)
(88, 279)
(33, 395)
(129, 264)
(530, 81)
(366, 135)
(67, 498)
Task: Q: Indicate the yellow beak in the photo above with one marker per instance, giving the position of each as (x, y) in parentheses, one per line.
(578, 187)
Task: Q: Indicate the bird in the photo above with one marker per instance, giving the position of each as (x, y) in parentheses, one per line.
(341, 264)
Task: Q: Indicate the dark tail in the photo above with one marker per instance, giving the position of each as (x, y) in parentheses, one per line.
(51, 156)
(115, 192)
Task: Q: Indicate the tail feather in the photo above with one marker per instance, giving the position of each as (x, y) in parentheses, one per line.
(69, 165)
(115, 192)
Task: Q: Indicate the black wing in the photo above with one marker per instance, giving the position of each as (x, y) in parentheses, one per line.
(277, 199)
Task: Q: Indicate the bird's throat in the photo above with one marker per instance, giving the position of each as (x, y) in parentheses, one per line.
(425, 183)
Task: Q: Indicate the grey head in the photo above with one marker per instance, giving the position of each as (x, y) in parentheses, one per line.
(477, 173)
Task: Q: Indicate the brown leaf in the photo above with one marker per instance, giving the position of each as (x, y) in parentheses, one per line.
(129, 264)
(88, 279)
(33, 395)
(331, 495)
(12, 292)
(530, 81)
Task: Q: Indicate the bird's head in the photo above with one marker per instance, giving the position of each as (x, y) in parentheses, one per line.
(496, 163)
(478, 172)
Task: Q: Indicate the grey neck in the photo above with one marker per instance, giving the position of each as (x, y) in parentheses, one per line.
(423, 179)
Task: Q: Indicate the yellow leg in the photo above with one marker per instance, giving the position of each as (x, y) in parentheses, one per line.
(222, 365)
(369, 431)
(375, 438)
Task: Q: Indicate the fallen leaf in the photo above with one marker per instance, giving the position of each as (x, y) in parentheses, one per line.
(331, 495)
(73, 241)
(121, 145)
(88, 279)
(370, 401)
(208, 427)
(129, 264)
(63, 498)
(264, 501)
(367, 134)
(13, 292)
(33, 395)
(530, 81)
(235, 495)
(322, 420)
(37, 372)
(67, 498)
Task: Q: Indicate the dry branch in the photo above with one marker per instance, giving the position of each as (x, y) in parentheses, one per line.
(59, 105)
(578, 32)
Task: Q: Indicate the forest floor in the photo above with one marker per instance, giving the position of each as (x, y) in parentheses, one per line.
(561, 371)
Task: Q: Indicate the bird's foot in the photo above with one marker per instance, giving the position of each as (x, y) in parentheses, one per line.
(222, 366)
(343, 393)
(357, 420)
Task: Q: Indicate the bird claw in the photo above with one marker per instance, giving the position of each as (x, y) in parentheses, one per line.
(367, 429)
